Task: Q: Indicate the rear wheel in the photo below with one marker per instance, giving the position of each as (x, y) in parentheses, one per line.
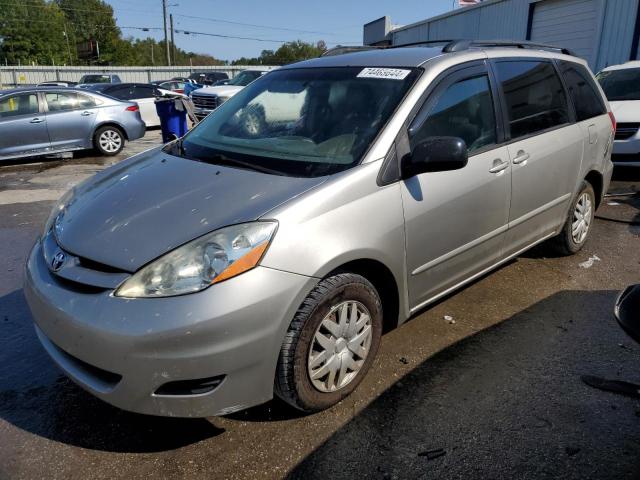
(108, 140)
(578, 224)
(330, 344)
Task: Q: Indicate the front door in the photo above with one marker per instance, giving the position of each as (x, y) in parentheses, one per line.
(70, 119)
(455, 221)
(23, 127)
(545, 149)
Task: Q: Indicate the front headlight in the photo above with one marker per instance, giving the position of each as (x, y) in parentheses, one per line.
(210, 259)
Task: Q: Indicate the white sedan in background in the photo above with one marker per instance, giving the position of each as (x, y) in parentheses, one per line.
(144, 94)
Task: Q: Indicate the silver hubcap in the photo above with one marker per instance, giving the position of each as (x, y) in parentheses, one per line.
(340, 346)
(110, 141)
(581, 218)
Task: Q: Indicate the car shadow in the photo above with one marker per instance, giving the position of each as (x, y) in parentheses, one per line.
(36, 397)
(506, 402)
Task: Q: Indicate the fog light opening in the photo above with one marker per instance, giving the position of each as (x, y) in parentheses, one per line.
(197, 386)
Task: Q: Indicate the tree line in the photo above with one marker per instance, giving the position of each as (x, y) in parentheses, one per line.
(45, 32)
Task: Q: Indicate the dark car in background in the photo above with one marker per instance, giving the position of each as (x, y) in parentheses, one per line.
(243, 79)
(208, 78)
(45, 120)
(99, 78)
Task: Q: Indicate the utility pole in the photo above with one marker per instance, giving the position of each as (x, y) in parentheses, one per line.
(153, 62)
(66, 36)
(166, 40)
(173, 43)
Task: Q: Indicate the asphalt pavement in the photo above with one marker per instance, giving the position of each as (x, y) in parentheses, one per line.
(493, 392)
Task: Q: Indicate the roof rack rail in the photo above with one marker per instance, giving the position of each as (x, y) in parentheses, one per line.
(460, 45)
(424, 42)
(341, 50)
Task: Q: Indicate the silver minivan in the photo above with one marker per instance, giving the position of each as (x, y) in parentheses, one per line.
(249, 258)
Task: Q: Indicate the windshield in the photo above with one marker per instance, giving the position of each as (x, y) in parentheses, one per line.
(301, 122)
(244, 78)
(621, 84)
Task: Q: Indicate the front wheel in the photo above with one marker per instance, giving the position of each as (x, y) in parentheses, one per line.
(330, 344)
(108, 140)
(578, 224)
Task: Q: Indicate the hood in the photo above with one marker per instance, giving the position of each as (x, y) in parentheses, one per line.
(626, 111)
(134, 212)
(221, 91)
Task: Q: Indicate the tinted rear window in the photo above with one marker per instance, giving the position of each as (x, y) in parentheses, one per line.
(582, 90)
(535, 96)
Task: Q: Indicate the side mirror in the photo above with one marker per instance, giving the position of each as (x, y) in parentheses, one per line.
(435, 154)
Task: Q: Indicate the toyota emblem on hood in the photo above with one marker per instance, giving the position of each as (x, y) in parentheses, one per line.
(58, 261)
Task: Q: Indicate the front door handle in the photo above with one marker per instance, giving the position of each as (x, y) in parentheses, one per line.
(86, 113)
(37, 120)
(498, 166)
(521, 157)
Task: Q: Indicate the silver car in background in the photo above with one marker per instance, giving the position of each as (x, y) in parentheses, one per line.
(47, 120)
(247, 260)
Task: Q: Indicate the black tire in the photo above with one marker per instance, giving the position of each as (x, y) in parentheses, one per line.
(293, 383)
(108, 148)
(564, 243)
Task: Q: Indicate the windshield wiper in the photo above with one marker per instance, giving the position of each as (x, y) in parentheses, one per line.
(221, 159)
(175, 148)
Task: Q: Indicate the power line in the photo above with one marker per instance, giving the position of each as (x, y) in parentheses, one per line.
(218, 35)
(231, 22)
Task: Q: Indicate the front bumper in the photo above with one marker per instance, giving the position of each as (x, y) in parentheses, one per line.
(123, 350)
(627, 151)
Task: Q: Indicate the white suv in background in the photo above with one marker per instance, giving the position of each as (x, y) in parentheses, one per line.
(621, 85)
(207, 99)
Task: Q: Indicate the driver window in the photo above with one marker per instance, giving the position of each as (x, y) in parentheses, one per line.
(464, 110)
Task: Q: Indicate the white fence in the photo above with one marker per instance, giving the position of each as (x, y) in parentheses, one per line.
(17, 76)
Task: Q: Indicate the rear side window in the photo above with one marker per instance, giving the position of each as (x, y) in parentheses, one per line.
(464, 110)
(25, 104)
(582, 90)
(534, 95)
(85, 102)
(60, 102)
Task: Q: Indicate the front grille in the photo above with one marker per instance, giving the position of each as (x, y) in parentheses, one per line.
(626, 130)
(210, 102)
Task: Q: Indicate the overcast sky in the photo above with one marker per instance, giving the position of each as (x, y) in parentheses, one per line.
(334, 21)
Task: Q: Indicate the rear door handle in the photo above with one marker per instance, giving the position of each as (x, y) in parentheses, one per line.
(37, 120)
(498, 166)
(86, 113)
(521, 157)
